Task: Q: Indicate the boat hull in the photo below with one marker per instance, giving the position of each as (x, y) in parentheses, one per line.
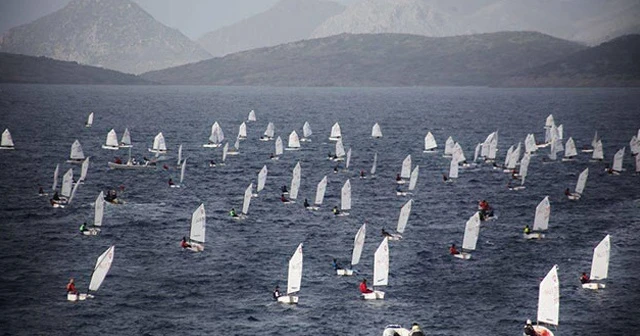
(91, 232)
(593, 285)
(212, 146)
(288, 299)
(113, 165)
(110, 147)
(463, 255)
(195, 247)
(375, 295)
(396, 330)
(6, 147)
(344, 272)
(78, 297)
(542, 331)
(533, 235)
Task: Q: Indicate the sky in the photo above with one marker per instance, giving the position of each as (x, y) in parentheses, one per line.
(192, 17)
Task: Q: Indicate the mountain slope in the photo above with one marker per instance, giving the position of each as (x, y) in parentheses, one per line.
(29, 69)
(115, 34)
(287, 21)
(377, 60)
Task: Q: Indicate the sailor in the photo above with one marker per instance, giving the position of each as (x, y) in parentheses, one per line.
(584, 278)
(362, 174)
(71, 287)
(415, 330)
(276, 292)
(567, 192)
(55, 196)
(184, 244)
(528, 329)
(335, 169)
(272, 156)
(144, 158)
(306, 203)
(212, 163)
(284, 189)
(398, 178)
(83, 227)
(335, 210)
(283, 199)
(233, 213)
(118, 160)
(527, 230)
(453, 250)
(335, 264)
(171, 182)
(398, 189)
(363, 287)
(41, 191)
(385, 233)
(165, 167)
(444, 177)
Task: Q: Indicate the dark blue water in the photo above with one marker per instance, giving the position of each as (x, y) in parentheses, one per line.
(155, 288)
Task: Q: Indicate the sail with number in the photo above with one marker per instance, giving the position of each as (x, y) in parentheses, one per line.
(471, 232)
(294, 141)
(247, 199)
(598, 154)
(67, 183)
(102, 268)
(76, 151)
(198, 225)
(99, 210)
(112, 140)
(570, 149)
(600, 261)
(381, 264)
(159, 144)
(617, 160)
(582, 181)
(549, 298)
(294, 278)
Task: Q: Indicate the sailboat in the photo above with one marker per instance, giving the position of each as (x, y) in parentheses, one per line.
(294, 141)
(616, 169)
(306, 132)
(112, 141)
(374, 165)
(76, 155)
(159, 145)
(320, 190)
(345, 199)
(89, 120)
(380, 271)
(225, 150)
(593, 144)
(55, 177)
(262, 179)
(413, 180)
(405, 211)
(448, 147)
(582, 181)
(340, 153)
(524, 170)
(294, 279)
(182, 169)
(242, 131)
(252, 116)
(358, 244)
(216, 138)
(453, 171)
(405, 171)
(245, 203)
(348, 160)
(65, 191)
(83, 170)
(541, 220)
(99, 274)
(430, 144)
(336, 133)
(598, 154)
(599, 264)
(570, 151)
(471, 233)
(268, 133)
(295, 183)
(634, 145)
(7, 140)
(197, 234)
(179, 162)
(97, 217)
(548, 302)
(376, 132)
(235, 150)
(125, 142)
(278, 150)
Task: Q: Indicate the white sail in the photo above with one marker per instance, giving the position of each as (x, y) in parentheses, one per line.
(381, 264)
(84, 169)
(406, 167)
(358, 244)
(582, 181)
(560, 130)
(89, 120)
(73, 193)
(414, 178)
(179, 154)
(99, 210)
(262, 178)
(549, 298)
(543, 211)
(471, 232)
(486, 144)
(530, 145)
(405, 211)
(198, 225)
(600, 262)
(595, 140)
(507, 157)
(126, 138)
(322, 187)
(294, 141)
(345, 202)
(182, 169)
(242, 131)
(375, 164)
(458, 152)
(634, 145)
(295, 182)
(524, 166)
(376, 132)
(306, 130)
(549, 122)
(279, 148)
(638, 163)
(598, 154)
(346, 163)
(294, 280)
(453, 168)
(7, 140)
(476, 153)
(335, 131)
(340, 148)
(158, 143)
(252, 116)
(553, 151)
(225, 150)
(76, 151)
(112, 139)
(448, 146)
(430, 142)
(617, 160)
(55, 177)
(236, 145)
(67, 182)
(570, 149)
(270, 131)
(102, 268)
(493, 147)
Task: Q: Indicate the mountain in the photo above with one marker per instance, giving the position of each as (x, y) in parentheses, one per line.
(114, 34)
(377, 60)
(613, 63)
(29, 69)
(287, 21)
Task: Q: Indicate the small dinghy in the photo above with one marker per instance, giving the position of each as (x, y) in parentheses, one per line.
(306, 132)
(99, 274)
(471, 233)
(197, 234)
(548, 303)
(159, 145)
(403, 218)
(320, 191)
(345, 199)
(246, 201)
(380, 271)
(262, 179)
(252, 116)
(336, 132)
(7, 140)
(294, 141)
(430, 145)
(125, 142)
(294, 279)
(76, 155)
(97, 217)
(376, 131)
(216, 138)
(89, 122)
(268, 133)
(541, 220)
(182, 170)
(112, 141)
(599, 265)
(582, 181)
(358, 244)
(242, 131)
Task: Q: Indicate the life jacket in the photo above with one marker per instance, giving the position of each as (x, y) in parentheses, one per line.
(71, 287)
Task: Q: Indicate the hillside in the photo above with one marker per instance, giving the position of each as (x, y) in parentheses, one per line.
(29, 69)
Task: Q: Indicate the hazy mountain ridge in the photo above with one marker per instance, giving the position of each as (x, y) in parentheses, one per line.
(30, 69)
(287, 21)
(377, 60)
(115, 34)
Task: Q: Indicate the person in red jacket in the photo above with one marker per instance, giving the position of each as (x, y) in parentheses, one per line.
(453, 250)
(363, 287)
(584, 278)
(184, 243)
(71, 287)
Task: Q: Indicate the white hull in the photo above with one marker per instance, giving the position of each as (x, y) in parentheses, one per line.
(232, 153)
(5, 147)
(290, 299)
(78, 297)
(376, 295)
(212, 146)
(110, 147)
(291, 149)
(195, 247)
(157, 151)
(394, 236)
(517, 188)
(574, 197)
(313, 208)
(114, 165)
(345, 272)
(91, 232)
(567, 159)
(240, 216)
(305, 140)
(75, 161)
(396, 330)
(265, 139)
(430, 151)
(125, 146)
(587, 150)
(334, 138)
(341, 214)
(463, 255)
(400, 182)
(593, 285)
(542, 331)
(533, 235)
